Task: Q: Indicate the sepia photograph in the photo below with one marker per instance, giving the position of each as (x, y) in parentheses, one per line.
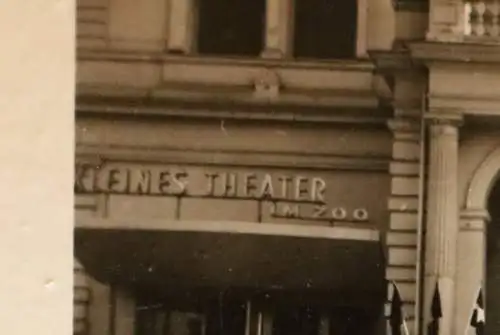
(286, 167)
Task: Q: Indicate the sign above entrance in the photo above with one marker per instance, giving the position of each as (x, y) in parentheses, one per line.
(290, 196)
(176, 182)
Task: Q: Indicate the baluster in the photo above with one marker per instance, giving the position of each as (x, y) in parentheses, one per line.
(488, 18)
(477, 18)
(473, 17)
(493, 11)
(467, 18)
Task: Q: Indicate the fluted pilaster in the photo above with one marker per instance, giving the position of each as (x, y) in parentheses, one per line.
(442, 219)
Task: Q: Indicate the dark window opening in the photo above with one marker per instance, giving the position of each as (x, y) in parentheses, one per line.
(325, 29)
(296, 321)
(492, 290)
(231, 27)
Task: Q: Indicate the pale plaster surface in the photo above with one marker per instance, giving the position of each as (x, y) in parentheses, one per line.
(36, 151)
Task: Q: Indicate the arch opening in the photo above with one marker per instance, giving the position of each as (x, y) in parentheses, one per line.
(492, 289)
(483, 182)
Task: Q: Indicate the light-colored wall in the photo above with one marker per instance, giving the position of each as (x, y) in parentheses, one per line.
(36, 149)
(138, 25)
(235, 136)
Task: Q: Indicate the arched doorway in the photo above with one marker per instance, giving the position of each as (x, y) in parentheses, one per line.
(493, 262)
(481, 214)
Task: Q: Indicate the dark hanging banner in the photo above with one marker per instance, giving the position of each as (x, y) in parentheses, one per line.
(436, 313)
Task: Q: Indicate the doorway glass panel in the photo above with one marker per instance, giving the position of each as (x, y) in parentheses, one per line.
(227, 313)
(222, 314)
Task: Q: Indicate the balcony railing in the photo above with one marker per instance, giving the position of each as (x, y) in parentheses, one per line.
(482, 19)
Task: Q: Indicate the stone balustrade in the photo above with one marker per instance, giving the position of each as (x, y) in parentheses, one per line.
(482, 19)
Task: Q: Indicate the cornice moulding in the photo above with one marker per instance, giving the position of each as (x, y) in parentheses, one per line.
(161, 58)
(468, 105)
(390, 62)
(429, 52)
(96, 154)
(340, 116)
(343, 108)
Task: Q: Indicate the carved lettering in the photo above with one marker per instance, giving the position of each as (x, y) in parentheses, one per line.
(180, 180)
(249, 185)
(140, 182)
(290, 211)
(301, 188)
(229, 184)
(339, 213)
(211, 177)
(118, 181)
(285, 185)
(319, 211)
(82, 173)
(267, 191)
(291, 197)
(272, 209)
(360, 214)
(164, 182)
(318, 187)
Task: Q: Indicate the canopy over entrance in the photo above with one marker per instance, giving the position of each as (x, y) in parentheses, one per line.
(176, 255)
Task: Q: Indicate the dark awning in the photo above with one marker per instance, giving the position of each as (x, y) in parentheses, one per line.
(175, 255)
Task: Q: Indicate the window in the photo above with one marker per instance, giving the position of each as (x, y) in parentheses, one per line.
(325, 29)
(231, 27)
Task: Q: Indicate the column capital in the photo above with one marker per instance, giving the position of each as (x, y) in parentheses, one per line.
(403, 125)
(447, 118)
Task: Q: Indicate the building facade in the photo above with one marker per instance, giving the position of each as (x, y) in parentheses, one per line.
(275, 166)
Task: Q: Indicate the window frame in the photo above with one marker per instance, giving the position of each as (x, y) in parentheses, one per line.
(278, 30)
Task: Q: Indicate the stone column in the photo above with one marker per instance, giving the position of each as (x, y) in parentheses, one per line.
(181, 26)
(442, 219)
(279, 29)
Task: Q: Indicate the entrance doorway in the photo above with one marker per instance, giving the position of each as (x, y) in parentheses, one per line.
(493, 263)
(247, 312)
(193, 282)
(191, 313)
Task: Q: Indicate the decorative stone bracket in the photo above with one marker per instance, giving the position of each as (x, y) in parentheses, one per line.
(267, 85)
